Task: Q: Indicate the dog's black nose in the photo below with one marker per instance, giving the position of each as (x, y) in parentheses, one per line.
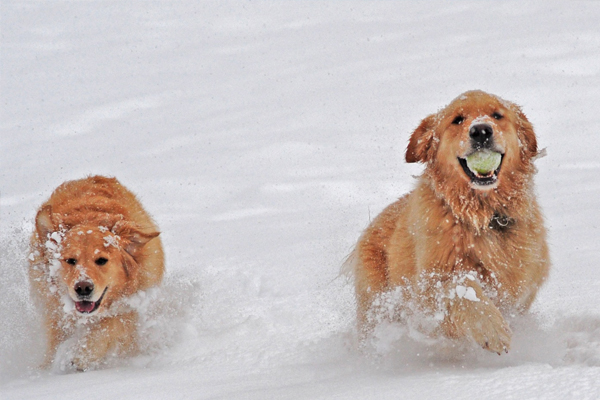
(481, 134)
(84, 288)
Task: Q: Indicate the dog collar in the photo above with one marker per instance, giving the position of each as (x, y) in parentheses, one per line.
(501, 222)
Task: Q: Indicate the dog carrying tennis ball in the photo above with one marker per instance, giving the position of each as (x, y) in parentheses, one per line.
(484, 161)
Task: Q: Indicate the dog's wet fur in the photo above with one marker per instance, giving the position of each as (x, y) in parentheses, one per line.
(94, 245)
(466, 249)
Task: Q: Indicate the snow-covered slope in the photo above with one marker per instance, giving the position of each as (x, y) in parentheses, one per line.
(263, 136)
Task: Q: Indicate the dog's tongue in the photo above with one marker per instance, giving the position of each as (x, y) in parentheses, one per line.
(85, 306)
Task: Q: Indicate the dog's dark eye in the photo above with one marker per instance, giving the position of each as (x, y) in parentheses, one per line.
(497, 115)
(101, 261)
(458, 120)
(71, 261)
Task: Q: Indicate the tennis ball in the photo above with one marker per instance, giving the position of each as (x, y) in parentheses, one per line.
(484, 161)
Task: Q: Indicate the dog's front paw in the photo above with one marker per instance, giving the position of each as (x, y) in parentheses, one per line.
(481, 321)
(80, 364)
(491, 331)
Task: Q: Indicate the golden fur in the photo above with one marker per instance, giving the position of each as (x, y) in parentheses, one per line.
(462, 255)
(93, 246)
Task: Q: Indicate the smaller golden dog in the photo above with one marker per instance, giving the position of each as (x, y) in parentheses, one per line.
(467, 247)
(93, 247)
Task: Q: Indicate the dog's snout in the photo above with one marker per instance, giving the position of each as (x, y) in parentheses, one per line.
(84, 288)
(481, 134)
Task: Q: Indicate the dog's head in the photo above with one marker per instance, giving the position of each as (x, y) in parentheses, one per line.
(98, 260)
(477, 142)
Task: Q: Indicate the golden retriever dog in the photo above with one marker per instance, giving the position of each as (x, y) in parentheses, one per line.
(93, 246)
(467, 247)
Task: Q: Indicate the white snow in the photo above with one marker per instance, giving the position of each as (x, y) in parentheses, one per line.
(466, 292)
(56, 236)
(263, 137)
(111, 240)
(482, 119)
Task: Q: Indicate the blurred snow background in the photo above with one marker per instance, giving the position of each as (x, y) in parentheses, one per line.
(262, 136)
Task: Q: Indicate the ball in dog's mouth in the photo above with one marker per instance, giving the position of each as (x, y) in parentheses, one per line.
(88, 307)
(482, 166)
(484, 161)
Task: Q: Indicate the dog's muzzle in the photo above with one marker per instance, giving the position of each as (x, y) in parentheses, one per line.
(84, 291)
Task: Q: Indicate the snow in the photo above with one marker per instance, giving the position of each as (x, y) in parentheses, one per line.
(263, 137)
(482, 119)
(466, 293)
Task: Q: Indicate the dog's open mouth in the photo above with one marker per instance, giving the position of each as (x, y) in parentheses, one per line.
(482, 170)
(88, 307)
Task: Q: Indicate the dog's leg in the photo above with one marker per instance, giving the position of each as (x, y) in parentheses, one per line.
(117, 333)
(57, 329)
(470, 313)
(57, 333)
(371, 262)
(370, 280)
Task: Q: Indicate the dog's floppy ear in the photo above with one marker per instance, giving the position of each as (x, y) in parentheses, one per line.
(420, 145)
(526, 133)
(132, 269)
(43, 222)
(133, 237)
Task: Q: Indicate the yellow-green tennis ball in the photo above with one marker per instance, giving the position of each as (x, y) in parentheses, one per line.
(484, 161)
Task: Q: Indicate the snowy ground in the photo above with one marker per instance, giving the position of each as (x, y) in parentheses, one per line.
(263, 136)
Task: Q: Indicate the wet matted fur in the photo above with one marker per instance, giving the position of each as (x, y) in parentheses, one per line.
(94, 246)
(463, 250)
